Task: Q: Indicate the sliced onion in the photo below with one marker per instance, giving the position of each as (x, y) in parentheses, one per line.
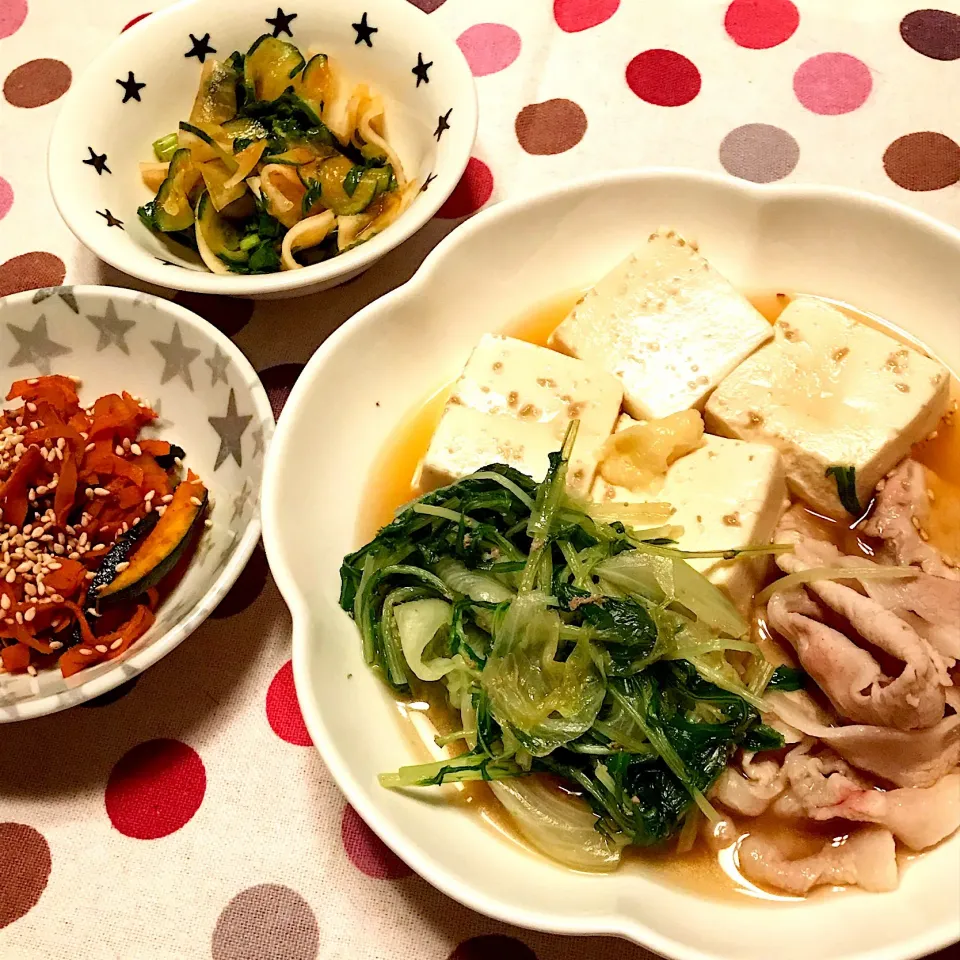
(873, 572)
(632, 514)
(478, 586)
(283, 191)
(306, 233)
(557, 824)
(418, 622)
(247, 161)
(371, 113)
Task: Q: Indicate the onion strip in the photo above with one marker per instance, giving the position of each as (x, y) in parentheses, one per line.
(834, 573)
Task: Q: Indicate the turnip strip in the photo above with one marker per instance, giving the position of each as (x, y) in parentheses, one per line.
(834, 573)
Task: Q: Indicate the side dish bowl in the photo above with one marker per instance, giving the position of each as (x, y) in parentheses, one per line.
(145, 82)
(209, 401)
(876, 255)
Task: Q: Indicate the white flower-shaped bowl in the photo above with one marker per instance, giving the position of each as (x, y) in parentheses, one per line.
(210, 402)
(359, 386)
(144, 84)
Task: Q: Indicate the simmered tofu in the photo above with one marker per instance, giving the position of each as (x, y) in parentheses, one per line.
(830, 391)
(667, 324)
(726, 494)
(512, 404)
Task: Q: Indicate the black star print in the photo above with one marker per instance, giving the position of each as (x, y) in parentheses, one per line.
(364, 32)
(166, 263)
(281, 23)
(131, 89)
(420, 70)
(200, 47)
(112, 221)
(442, 124)
(98, 161)
(426, 183)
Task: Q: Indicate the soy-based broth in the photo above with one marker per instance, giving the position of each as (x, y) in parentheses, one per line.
(426, 714)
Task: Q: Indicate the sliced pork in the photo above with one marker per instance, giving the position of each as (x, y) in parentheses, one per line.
(867, 859)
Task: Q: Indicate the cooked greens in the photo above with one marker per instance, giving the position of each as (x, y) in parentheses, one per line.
(281, 163)
(846, 480)
(569, 646)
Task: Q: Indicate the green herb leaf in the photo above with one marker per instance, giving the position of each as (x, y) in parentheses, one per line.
(786, 679)
(846, 479)
(352, 178)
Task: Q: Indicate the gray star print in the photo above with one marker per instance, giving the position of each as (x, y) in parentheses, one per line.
(230, 428)
(258, 444)
(240, 501)
(218, 366)
(112, 329)
(176, 358)
(64, 293)
(35, 346)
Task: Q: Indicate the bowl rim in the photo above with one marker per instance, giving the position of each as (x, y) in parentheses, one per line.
(336, 270)
(447, 881)
(218, 588)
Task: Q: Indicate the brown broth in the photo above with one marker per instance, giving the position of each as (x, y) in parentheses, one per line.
(426, 714)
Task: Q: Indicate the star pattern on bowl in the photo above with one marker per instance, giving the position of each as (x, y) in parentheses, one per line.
(177, 357)
(281, 22)
(131, 88)
(34, 346)
(112, 329)
(230, 428)
(98, 161)
(200, 48)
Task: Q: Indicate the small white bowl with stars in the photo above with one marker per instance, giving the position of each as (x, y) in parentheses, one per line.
(209, 401)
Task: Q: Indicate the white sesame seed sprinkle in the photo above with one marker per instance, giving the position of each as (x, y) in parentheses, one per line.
(55, 644)
(116, 643)
(120, 567)
(84, 652)
(30, 614)
(101, 648)
(32, 670)
(101, 491)
(135, 449)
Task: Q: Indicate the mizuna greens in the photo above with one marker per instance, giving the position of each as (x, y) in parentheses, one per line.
(282, 162)
(586, 651)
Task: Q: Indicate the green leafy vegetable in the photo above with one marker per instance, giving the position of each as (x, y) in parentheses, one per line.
(846, 480)
(786, 679)
(165, 147)
(569, 646)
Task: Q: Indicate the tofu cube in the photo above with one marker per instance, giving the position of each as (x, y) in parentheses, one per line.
(726, 494)
(667, 324)
(831, 391)
(512, 404)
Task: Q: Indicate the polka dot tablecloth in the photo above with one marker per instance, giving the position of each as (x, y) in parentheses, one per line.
(186, 815)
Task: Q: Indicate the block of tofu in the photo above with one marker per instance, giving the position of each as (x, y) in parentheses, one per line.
(831, 391)
(512, 404)
(726, 494)
(667, 324)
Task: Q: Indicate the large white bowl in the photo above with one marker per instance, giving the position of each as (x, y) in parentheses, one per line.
(361, 382)
(116, 340)
(94, 118)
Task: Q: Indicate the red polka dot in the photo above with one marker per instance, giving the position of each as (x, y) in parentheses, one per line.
(489, 47)
(6, 198)
(471, 193)
(664, 78)
(278, 381)
(136, 19)
(283, 709)
(368, 853)
(493, 946)
(24, 870)
(832, 83)
(573, 16)
(155, 789)
(12, 15)
(760, 24)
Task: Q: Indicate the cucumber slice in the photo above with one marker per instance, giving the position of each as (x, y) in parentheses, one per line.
(218, 239)
(335, 176)
(244, 128)
(216, 99)
(172, 209)
(316, 82)
(204, 145)
(269, 67)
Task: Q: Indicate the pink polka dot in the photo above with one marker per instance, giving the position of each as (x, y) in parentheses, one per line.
(155, 789)
(489, 47)
(572, 16)
(471, 193)
(760, 24)
(283, 709)
(6, 198)
(136, 19)
(664, 78)
(368, 853)
(12, 15)
(832, 83)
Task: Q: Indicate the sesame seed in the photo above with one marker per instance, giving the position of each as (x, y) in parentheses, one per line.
(11, 576)
(160, 511)
(116, 643)
(30, 614)
(126, 443)
(101, 491)
(101, 648)
(29, 589)
(55, 644)
(56, 598)
(135, 449)
(32, 670)
(32, 407)
(89, 575)
(89, 447)
(19, 617)
(43, 489)
(93, 611)
(118, 450)
(167, 498)
(89, 493)
(84, 652)
(196, 501)
(5, 601)
(33, 381)
(61, 443)
(73, 555)
(149, 495)
(120, 567)
(208, 523)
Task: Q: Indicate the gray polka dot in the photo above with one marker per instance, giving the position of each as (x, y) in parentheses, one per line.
(266, 922)
(759, 152)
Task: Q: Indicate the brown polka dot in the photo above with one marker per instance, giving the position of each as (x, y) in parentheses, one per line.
(24, 870)
(30, 271)
(278, 382)
(228, 314)
(266, 922)
(934, 33)
(759, 152)
(37, 82)
(248, 587)
(550, 127)
(493, 946)
(923, 161)
(428, 6)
